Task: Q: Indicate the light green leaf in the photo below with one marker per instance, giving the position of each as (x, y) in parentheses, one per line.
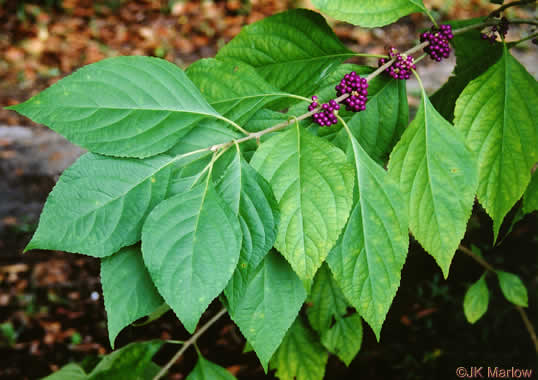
(437, 174)
(344, 339)
(128, 291)
(326, 299)
(513, 288)
(300, 356)
(370, 255)
(475, 303)
(497, 114)
(368, 13)
(206, 370)
(530, 198)
(190, 245)
(131, 362)
(293, 50)
(263, 301)
(121, 106)
(99, 204)
(234, 89)
(313, 185)
(70, 371)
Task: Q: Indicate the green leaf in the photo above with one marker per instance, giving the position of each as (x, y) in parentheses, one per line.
(530, 198)
(497, 114)
(99, 204)
(513, 288)
(206, 370)
(475, 302)
(128, 363)
(313, 185)
(128, 290)
(70, 371)
(121, 106)
(300, 356)
(263, 301)
(344, 338)
(234, 89)
(473, 57)
(190, 245)
(293, 50)
(368, 13)
(438, 176)
(326, 299)
(370, 255)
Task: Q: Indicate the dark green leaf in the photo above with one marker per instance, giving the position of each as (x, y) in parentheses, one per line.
(264, 301)
(191, 245)
(70, 371)
(530, 198)
(326, 299)
(368, 13)
(293, 50)
(128, 363)
(99, 204)
(344, 339)
(121, 106)
(234, 89)
(128, 290)
(205, 370)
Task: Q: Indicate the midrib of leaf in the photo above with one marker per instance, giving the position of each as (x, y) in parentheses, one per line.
(428, 165)
(309, 59)
(300, 177)
(136, 185)
(251, 97)
(367, 248)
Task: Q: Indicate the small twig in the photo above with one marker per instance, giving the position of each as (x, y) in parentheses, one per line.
(529, 37)
(528, 325)
(477, 258)
(522, 313)
(188, 343)
(498, 11)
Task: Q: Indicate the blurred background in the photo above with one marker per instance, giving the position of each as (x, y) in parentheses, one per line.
(51, 307)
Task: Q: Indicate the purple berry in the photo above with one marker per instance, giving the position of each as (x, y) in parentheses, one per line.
(438, 39)
(401, 69)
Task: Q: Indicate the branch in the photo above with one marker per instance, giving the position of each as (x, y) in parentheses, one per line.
(522, 313)
(498, 11)
(188, 343)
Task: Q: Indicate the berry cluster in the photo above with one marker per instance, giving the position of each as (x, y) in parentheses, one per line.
(351, 84)
(357, 88)
(327, 117)
(439, 47)
(501, 29)
(401, 69)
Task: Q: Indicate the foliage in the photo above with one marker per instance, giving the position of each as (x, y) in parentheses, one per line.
(197, 186)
